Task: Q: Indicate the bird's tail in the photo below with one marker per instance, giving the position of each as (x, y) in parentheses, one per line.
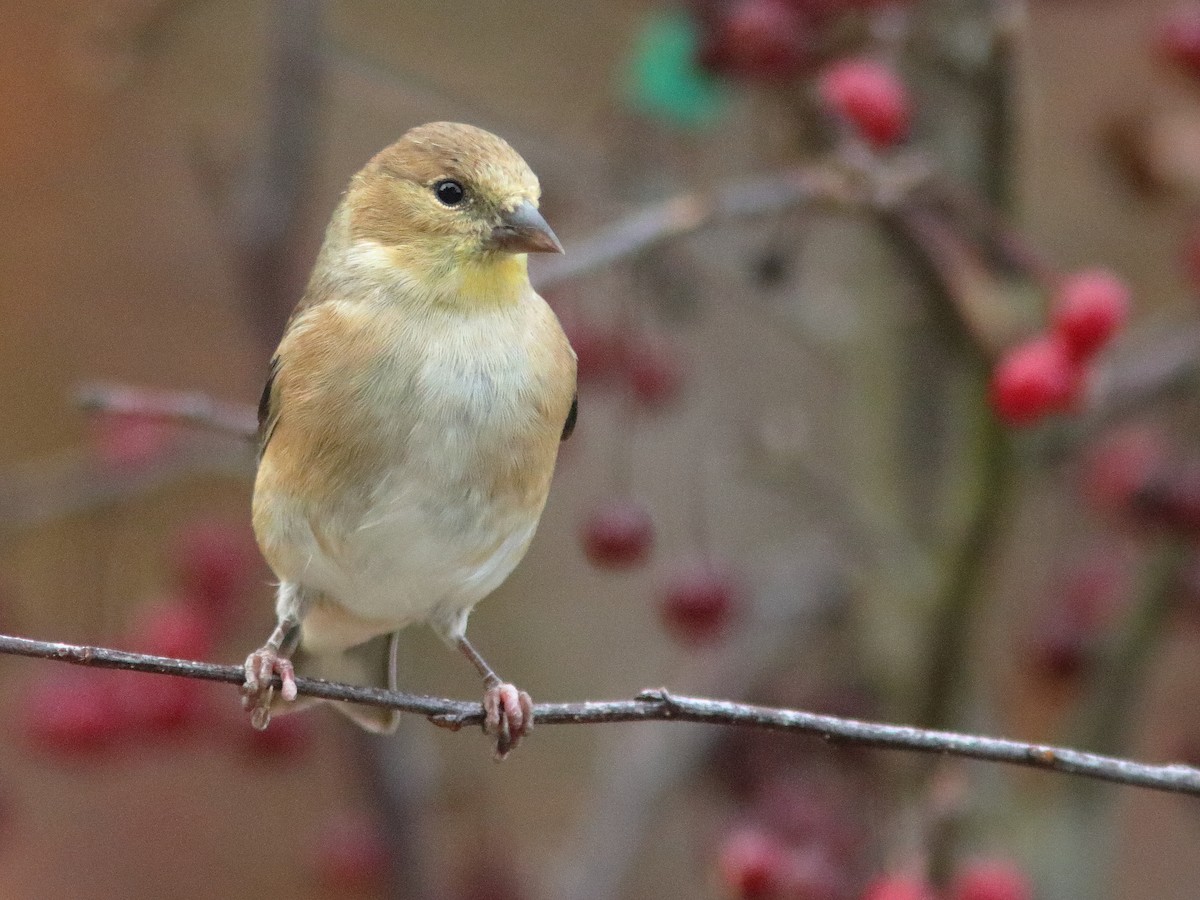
(372, 664)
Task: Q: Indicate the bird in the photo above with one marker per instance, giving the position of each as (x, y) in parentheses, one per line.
(410, 423)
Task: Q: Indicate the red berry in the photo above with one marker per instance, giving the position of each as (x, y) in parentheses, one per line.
(159, 706)
(1121, 465)
(805, 813)
(765, 40)
(1063, 650)
(868, 96)
(899, 887)
(1178, 39)
(699, 601)
(991, 879)
(71, 713)
(351, 855)
(752, 863)
(173, 628)
(1089, 308)
(1078, 609)
(216, 561)
(1033, 380)
(810, 874)
(654, 374)
(287, 737)
(600, 353)
(618, 535)
(129, 442)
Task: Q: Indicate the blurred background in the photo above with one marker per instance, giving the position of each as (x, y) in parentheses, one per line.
(892, 415)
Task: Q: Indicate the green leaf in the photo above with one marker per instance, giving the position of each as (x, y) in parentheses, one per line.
(662, 78)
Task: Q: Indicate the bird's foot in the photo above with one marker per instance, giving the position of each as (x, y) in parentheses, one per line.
(259, 687)
(508, 715)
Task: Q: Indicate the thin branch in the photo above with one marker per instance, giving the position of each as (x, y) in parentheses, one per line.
(660, 705)
(186, 407)
(689, 213)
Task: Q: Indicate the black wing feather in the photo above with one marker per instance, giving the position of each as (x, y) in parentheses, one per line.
(268, 414)
(572, 416)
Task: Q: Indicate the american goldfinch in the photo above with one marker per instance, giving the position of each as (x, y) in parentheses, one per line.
(410, 423)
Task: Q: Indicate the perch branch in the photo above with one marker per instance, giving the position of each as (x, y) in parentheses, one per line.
(660, 705)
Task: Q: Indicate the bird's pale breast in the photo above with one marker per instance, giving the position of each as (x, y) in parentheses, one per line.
(411, 462)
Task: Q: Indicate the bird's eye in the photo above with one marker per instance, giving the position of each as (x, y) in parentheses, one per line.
(449, 192)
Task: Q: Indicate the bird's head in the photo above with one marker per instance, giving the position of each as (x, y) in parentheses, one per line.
(454, 209)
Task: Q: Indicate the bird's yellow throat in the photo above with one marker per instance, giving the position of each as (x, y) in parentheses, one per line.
(493, 279)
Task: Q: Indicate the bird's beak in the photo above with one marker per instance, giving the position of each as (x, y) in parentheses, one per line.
(523, 230)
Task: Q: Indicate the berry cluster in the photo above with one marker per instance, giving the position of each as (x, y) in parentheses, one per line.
(699, 599)
(649, 368)
(867, 97)
(1046, 374)
(1178, 39)
(80, 713)
(979, 879)
(798, 841)
(770, 41)
(779, 40)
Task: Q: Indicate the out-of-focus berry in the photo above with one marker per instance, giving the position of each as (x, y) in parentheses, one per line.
(127, 442)
(761, 40)
(803, 811)
(288, 738)
(654, 373)
(1172, 501)
(1062, 650)
(159, 706)
(173, 628)
(752, 863)
(1121, 465)
(618, 535)
(1033, 380)
(811, 874)
(991, 879)
(71, 713)
(600, 352)
(215, 561)
(1178, 39)
(868, 96)
(899, 887)
(1080, 607)
(1088, 309)
(699, 602)
(351, 855)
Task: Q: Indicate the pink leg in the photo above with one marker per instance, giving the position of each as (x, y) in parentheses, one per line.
(261, 668)
(508, 711)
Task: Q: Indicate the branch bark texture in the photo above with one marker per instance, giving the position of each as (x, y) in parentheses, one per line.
(660, 705)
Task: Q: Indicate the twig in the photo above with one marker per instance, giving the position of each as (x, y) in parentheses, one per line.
(660, 705)
(687, 214)
(188, 407)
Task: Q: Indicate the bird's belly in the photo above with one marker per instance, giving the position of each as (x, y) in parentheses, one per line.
(418, 554)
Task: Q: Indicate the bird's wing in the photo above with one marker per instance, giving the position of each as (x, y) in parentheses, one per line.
(268, 407)
(572, 417)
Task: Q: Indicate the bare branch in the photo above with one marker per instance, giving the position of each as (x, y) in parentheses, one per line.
(687, 214)
(660, 705)
(187, 407)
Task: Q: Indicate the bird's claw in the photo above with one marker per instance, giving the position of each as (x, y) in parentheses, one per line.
(508, 714)
(259, 687)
